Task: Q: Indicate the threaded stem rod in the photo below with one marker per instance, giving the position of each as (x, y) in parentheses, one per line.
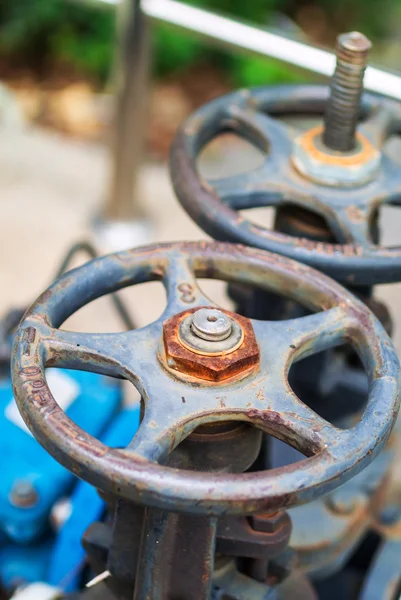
(344, 104)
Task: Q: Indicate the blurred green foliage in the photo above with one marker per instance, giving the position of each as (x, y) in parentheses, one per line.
(373, 18)
(175, 50)
(43, 33)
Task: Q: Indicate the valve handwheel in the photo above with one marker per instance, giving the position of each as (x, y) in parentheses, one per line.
(347, 189)
(197, 364)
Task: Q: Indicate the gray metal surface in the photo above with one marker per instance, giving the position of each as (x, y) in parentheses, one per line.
(355, 258)
(175, 407)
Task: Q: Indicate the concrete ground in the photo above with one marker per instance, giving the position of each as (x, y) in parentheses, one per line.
(51, 188)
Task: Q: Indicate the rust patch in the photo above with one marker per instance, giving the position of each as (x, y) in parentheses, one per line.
(366, 153)
(29, 336)
(44, 297)
(31, 371)
(283, 430)
(355, 214)
(324, 248)
(210, 368)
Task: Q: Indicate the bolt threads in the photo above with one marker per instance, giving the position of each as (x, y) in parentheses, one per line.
(343, 107)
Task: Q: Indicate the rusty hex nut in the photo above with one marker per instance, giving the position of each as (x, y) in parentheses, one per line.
(328, 167)
(270, 522)
(209, 366)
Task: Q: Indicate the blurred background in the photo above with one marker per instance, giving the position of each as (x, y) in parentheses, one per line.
(57, 57)
(58, 81)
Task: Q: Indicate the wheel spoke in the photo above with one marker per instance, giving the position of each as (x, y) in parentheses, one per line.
(298, 425)
(378, 126)
(182, 287)
(152, 440)
(266, 133)
(390, 184)
(113, 354)
(352, 224)
(172, 410)
(262, 186)
(164, 425)
(257, 188)
(282, 343)
(304, 336)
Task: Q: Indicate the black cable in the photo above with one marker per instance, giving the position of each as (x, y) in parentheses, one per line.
(11, 320)
(87, 248)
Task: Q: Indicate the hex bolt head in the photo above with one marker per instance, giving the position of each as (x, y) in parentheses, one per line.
(213, 360)
(269, 522)
(23, 494)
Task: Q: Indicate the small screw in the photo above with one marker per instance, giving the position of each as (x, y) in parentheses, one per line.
(23, 494)
(211, 324)
(343, 106)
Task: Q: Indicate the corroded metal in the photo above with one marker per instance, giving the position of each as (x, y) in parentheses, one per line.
(174, 408)
(269, 522)
(215, 361)
(352, 256)
(257, 539)
(175, 565)
(344, 104)
(316, 162)
(178, 551)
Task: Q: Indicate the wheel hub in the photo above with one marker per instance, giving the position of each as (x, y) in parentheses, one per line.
(218, 349)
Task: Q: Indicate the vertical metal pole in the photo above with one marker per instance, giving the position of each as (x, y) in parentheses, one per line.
(132, 75)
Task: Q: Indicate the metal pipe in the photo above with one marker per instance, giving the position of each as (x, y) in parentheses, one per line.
(132, 74)
(261, 41)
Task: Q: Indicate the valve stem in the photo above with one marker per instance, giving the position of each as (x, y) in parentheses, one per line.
(344, 104)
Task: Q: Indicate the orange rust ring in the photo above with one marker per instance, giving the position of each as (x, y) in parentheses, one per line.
(211, 366)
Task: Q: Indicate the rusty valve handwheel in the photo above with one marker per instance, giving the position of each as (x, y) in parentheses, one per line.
(346, 189)
(242, 377)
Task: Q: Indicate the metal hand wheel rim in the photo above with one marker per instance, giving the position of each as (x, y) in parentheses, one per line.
(132, 473)
(348, 211)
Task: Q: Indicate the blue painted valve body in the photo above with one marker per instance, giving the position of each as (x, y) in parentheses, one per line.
(33, 482)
